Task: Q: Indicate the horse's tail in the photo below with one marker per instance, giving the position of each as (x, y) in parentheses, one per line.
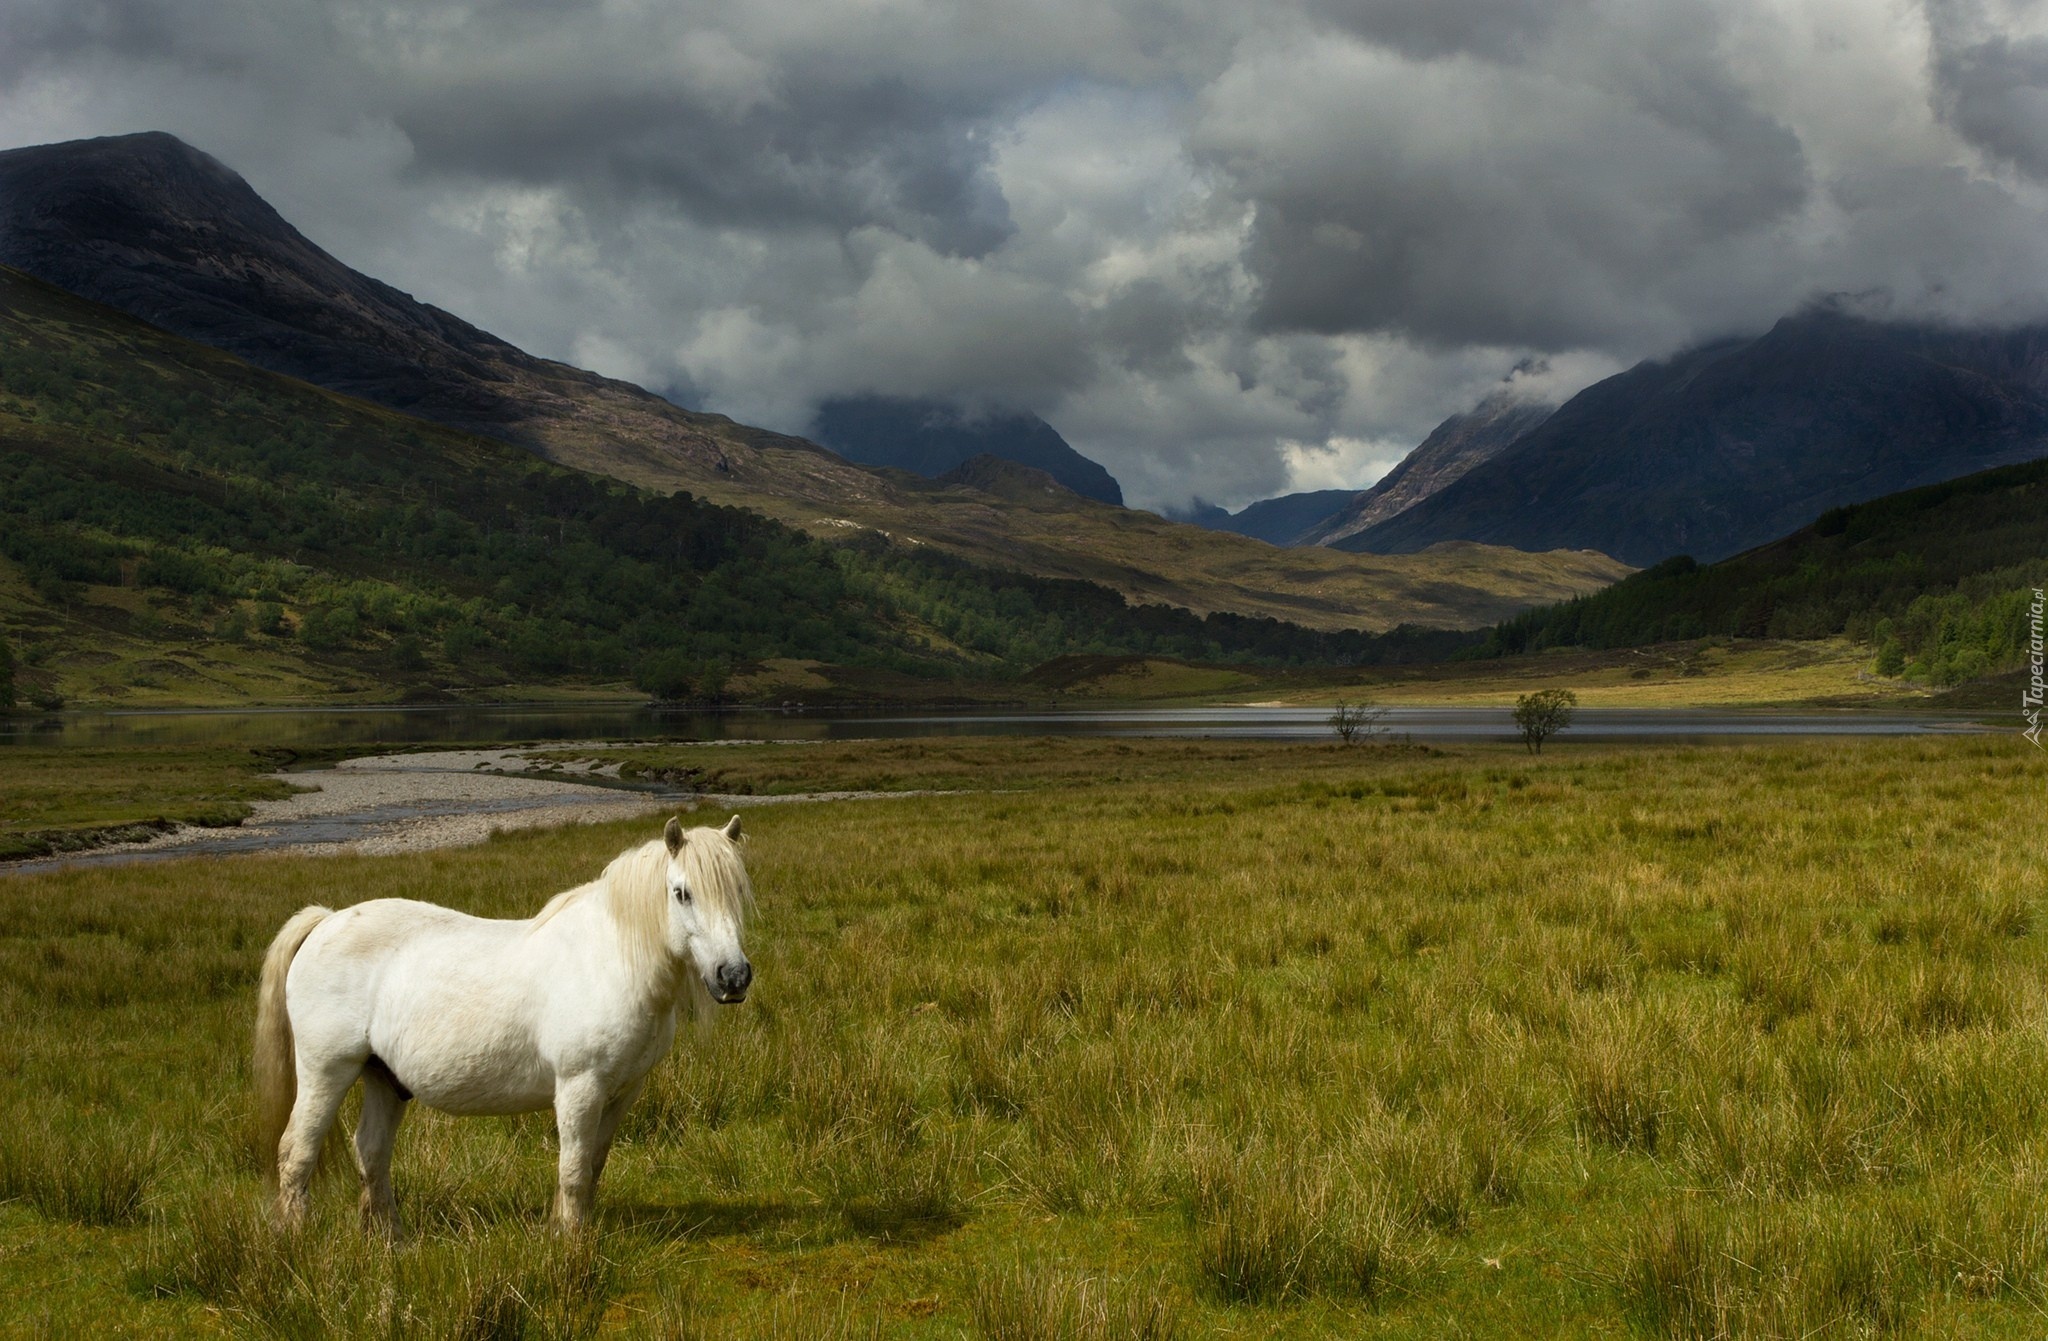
(275, 1069)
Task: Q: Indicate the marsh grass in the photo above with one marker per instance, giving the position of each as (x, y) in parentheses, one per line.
(1741, 1041)
(1031, 1301)
(94, 1171)
(478, 1279)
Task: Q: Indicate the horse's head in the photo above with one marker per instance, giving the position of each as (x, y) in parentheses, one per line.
(708, 894)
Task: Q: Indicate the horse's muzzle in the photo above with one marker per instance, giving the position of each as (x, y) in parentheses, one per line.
(732, 982)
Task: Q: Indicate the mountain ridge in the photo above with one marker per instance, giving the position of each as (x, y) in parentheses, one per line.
(94, 212)
(934, 440)
(1734, 443)
(1451, 450)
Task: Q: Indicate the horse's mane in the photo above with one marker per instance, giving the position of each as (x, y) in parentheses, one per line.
(635, 890)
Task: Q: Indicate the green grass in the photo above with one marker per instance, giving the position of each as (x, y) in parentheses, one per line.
(1280, 1041)
(62, 799)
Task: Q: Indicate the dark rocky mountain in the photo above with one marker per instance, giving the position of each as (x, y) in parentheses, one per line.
(152, 227)
(931, 439)
(1454, 447)
(1287, 520)
(155, 228)
(1727, 446)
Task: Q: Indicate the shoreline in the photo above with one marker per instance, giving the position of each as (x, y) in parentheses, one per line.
(383, 804)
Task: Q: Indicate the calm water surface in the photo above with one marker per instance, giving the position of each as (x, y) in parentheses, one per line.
(513, 723)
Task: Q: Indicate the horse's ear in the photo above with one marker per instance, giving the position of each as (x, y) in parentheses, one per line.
(732, 828)
(673, 835)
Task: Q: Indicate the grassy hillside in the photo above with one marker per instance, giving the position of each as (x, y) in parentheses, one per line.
(1192, 1040)
(1055, 533)
(1936, 580)
(165, 232)
(176, 526)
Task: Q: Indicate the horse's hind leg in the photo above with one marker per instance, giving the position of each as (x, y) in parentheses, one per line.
(321, 1087)
(376, 1130)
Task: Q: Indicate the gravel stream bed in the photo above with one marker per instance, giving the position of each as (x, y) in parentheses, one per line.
(416, 802)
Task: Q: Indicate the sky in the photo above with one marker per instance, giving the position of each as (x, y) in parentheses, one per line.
(1228, 248)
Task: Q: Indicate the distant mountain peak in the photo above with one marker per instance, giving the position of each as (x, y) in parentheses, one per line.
(1283, 520)
(149, 225)
(932, 438)
(1452, 448)
(1733, 443)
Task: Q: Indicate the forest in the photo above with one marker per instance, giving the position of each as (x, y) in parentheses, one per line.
(1937, 580)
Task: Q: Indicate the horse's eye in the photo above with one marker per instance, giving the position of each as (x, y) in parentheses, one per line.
(682, 894)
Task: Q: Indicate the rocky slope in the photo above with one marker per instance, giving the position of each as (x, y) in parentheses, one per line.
(1454, 447)
(1728, 446)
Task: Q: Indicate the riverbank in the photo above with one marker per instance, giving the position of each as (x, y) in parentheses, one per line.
(419, 801)
(1716, 672)
(151, 801)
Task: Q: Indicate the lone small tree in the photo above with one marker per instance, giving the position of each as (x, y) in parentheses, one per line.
(1354, 722)
(1543, 714)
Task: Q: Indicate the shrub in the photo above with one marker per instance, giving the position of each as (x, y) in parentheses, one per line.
(1543, 714)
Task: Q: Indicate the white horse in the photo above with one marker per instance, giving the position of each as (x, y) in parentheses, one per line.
(571, 1009)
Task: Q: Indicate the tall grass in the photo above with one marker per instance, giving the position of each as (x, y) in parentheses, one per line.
(1742, 1041)
(92, 1172)
(1030, 1301)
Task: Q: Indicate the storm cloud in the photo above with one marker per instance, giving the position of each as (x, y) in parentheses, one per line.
(1227, 249)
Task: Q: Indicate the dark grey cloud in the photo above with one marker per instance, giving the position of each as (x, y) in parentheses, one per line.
(877, 155)
(1498, 29)
(1226, 248)
(1524, 209)
(1995, 93)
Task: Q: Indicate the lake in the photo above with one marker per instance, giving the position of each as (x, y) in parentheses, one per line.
(506, 723)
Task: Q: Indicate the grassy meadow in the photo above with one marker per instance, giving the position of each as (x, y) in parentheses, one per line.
(1697, 673)
(1161, 1039)
(64, 798)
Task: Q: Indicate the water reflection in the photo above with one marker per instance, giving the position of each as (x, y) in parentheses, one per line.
(507, 723)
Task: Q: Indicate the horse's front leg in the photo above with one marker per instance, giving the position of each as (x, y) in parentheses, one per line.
(580, 1128)
(608, 1125)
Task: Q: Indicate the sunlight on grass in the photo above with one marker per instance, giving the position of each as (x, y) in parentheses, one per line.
(1687, 1042)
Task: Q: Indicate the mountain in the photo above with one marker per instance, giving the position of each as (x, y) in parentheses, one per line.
(157, 229)
(177, 526)
(1724, 447)
(930, 439)
(1285, 520)
(1938, 579)
(1454, 447)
